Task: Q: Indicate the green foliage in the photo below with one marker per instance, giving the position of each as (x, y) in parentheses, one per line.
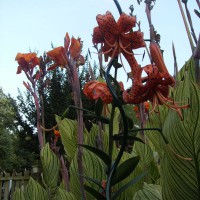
(12, 152)
(35, 191)
(18, 195)
(50, 167)
(149, 192)
(63, 195)
(180, 159)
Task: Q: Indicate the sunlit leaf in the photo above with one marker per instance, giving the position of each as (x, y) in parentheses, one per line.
(50, 167)
(35, 191)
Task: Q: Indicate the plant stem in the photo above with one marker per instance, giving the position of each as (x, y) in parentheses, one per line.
(198, 3)
(75, 83)
(190, 23)
(118, 104)
(42, 116)
(39, 130)
(37, 105)
(64, 172)
(186, 26)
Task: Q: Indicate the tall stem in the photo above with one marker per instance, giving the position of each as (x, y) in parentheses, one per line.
(78, 103)
(37, 105)
(118, 104)
(198, 3)
(39, 129)
(42, 116)
(186, 26)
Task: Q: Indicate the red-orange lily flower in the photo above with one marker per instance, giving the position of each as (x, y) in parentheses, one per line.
(26, 61)
(59, 54)
(95, 90)
(155, 86)
(117, 37)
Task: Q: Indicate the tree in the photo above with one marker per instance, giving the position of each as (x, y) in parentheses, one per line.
(57, 96)
(13, 153)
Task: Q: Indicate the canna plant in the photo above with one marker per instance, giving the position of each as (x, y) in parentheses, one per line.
(126, 154)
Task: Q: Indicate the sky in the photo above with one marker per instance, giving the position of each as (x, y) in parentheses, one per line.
(34, 25)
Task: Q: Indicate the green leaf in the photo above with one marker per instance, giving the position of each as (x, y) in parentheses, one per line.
(102, 155)
(34, 191)
(182, 176)
(125, 169)
(63, 195)
(95, 181)
(68, 129)
(94, 193)
(123, 188)
(92, 166)
(18, 194)
(50, 166)
(149, 192)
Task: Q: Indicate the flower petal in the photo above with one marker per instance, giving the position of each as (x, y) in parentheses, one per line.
(66, 42)
(107, 24)
(97, 36)
(75, 48)
(126, 23)
(58, 56)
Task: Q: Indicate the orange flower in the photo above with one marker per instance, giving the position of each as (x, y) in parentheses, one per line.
(56, 133)
(117, 37)
(155, 86)
(58, 56)
(95, 90)
(75, 48)
(26, 61)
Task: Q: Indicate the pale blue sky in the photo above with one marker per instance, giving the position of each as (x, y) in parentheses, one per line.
(33, 25)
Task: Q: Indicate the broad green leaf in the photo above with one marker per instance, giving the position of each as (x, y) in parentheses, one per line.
(181, 177)
(125, 169)
(103, 156)
(94, 193)
(63, 195)
(149, 192)
(93, 168)
(18, 194)
(156, 121)
(188, 69)
(50, 167)
(69, 135)
(126, 186)
(34, 191)
(95, 181)
(147, 161)
(68, 129)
